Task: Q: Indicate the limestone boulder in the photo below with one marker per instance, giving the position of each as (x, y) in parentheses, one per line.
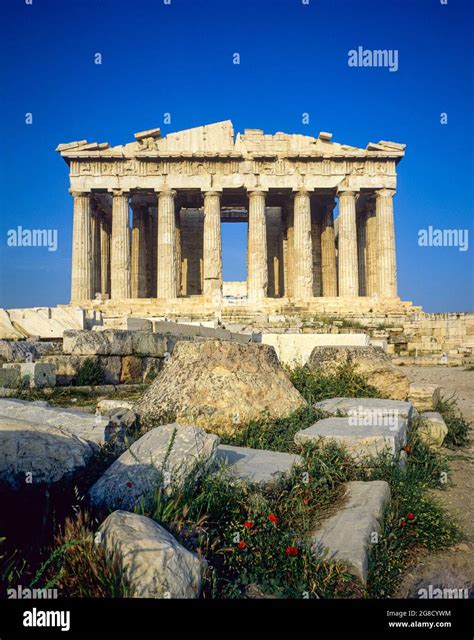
(36, 453)
(163, 457)
(432, 429)
(348, 534)
(424, 396)
(154, 563)
(370, 362)
(219, 386)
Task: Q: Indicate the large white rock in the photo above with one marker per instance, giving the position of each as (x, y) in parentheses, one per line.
(347, 535)
(164, 456)
(35, 374)
(256, 465)
(155, 565)
(26, 350)
(367, 407)
(296, 348)
(95, 429)
(432, 429)
(46, 452)
(361, 440)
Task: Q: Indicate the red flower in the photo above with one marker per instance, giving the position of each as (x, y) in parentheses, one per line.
(241, 544)
(403, 523)
(248, 524)
(273, 518)
(407, 449)
(410, 516)
(129, 485)
(291, 551)
(306, 500)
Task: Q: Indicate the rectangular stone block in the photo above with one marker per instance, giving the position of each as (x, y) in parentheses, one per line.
(368, 407)
(146, 343)
(109, 342)
(9, 377)
(347, 535)
(361, 437)
(256, 465)
(296, 348)
(35, 374)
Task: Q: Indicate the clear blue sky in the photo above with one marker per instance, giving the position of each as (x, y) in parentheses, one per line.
(177, 58)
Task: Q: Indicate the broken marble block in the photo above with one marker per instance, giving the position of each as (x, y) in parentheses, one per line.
(368, 408)
(349, 533)
(256, 465)
(361, 439)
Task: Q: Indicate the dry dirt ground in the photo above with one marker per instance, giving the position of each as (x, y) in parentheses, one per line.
(453, 568)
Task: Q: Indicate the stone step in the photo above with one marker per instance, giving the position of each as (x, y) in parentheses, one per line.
(349, 533)
(256, 465)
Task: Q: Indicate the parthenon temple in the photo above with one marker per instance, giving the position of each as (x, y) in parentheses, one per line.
(148, 215)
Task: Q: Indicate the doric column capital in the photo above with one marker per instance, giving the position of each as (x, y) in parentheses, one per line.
(120, 193)
(302, 191)
(256, 192)
(212, 192)
(78, 194)
(343, 190)
(167, 193)
(384, 193)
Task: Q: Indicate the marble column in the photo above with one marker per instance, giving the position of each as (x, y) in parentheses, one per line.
(120, 247)
(303, 252)
(257, 270)
(139, 251)
(94, 254)
(371, 254)
(212, 245)
(104, 232)
(316, 220)
(288, 248)
(81, 276)
(361, 250)
(347, 244)
(167, 282)
(328, 250)
(387, 269)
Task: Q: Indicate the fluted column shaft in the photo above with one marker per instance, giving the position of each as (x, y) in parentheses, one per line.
(362, 250)
(387, 268)
(167, 284)
(303, 252)
(104, 255)
(347, 247)
(81, 276)
(212, 245)
(257, 269)
(328, 251)
(316, 226)
(371, 254)
(120, 247)
(139, 252)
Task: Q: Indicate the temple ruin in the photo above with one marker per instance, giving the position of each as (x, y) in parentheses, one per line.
(148, 215)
